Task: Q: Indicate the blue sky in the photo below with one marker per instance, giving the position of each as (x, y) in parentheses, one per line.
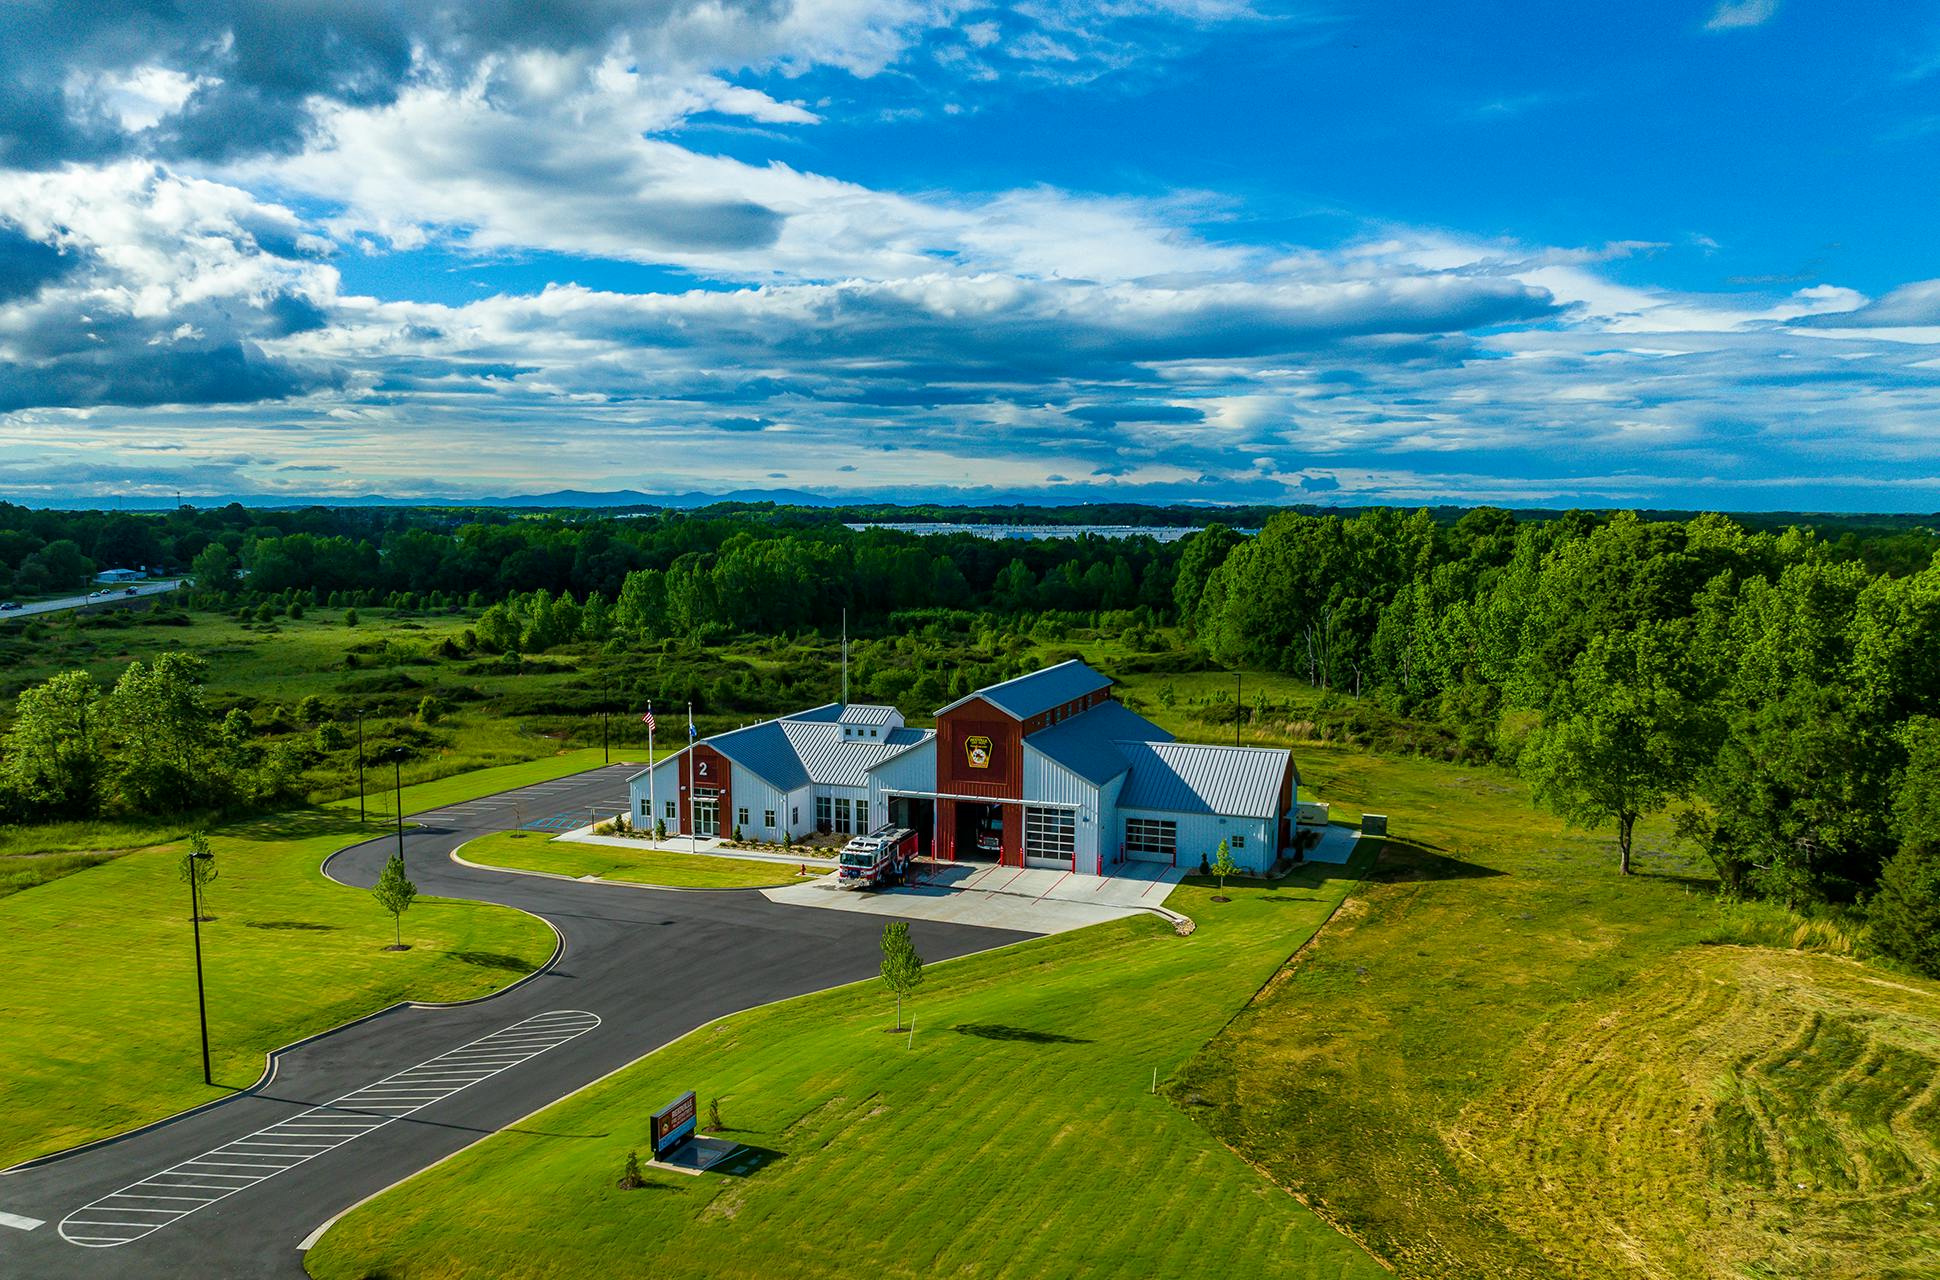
(1656, 254)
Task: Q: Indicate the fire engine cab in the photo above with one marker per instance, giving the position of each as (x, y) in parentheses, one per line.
(879, 858)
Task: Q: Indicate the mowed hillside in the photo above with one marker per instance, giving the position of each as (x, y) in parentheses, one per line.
(1502, 1060)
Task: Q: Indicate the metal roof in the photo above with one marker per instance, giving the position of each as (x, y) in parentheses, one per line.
(831, 759)
(1029, 695)
(810, 746)
(1191, 777)
(866, 713)
(1086, 744)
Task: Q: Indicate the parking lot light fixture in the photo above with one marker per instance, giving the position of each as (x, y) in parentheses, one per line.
(397, 796)
(201, 1000)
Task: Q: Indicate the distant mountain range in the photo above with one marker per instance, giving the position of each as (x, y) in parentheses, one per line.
(562, 498)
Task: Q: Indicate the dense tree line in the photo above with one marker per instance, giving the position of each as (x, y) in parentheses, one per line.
(1771, 685)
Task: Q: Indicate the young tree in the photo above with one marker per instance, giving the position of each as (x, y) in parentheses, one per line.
(163, 729)
(1620, 738)
(659, 829)
(198, 868)
(1223, 864)
(902, 968)
(350, 617)
(395, 892)
(55, 751)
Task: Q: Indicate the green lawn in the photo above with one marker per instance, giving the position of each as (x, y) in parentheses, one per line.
(1018, 1137)
(99, 1028)
(533, 851)
(1504, 1060)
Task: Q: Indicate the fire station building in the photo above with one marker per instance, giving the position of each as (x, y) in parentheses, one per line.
(1046, 770)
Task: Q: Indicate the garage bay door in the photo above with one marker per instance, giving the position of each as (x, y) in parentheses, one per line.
(1151, 840)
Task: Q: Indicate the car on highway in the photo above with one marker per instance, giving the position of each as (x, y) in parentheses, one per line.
(8, 605)
(132, 591)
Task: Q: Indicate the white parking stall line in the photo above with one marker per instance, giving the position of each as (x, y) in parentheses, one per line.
(114, 1219)
(18, 1223)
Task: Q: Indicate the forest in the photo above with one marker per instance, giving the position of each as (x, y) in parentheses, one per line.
(1771, 682)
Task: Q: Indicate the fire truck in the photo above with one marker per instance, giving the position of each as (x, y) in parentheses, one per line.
(882, 857)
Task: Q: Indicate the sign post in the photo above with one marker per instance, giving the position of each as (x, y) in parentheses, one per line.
(673, 1126)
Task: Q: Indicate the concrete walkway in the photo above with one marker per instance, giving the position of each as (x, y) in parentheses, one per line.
(1030, 899)
(703, 846)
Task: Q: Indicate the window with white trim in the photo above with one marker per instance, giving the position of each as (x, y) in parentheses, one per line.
(824, 814)
(842, 814)
(673, 810)
(1152, 837)
(740, 817)
(1050, 833)
(767, 817)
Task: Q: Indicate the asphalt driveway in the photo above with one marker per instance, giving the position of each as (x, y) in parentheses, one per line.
(236, 1189)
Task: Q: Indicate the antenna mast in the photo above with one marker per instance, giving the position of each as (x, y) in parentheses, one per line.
(845, 657)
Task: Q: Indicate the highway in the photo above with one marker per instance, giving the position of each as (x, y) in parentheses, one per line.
(108, 595)
(235, 1190)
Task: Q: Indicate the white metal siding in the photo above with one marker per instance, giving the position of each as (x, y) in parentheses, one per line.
(1050, 783)
(1200, 834)
(666, 786)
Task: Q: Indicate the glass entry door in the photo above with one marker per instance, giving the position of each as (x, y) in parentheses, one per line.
(707, 815)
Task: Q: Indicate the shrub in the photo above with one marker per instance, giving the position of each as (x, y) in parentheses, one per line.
(350, 617)
(1904, 915)
(630, 1178)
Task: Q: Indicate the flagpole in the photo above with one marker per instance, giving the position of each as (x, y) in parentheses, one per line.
(653, 804)
(693, 788)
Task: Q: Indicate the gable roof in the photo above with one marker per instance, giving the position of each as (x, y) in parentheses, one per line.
(1039, 691)
(1087, 743)
(1192, 777)
(866, 713)
(809, 747)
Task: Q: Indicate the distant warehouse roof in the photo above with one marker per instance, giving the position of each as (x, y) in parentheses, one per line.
(1038, 692)
(1190, 777)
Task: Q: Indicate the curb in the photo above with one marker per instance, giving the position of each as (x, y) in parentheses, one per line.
(618, 884)
(311, 1240)
(274, 1056)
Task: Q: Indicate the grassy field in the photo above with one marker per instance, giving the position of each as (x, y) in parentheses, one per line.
(1017, 1137)
(533, 851)
(99, 1032)
(1503, 1060)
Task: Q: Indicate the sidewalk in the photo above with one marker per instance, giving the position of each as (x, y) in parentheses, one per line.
(706, 846)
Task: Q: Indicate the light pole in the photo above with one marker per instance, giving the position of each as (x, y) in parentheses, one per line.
(606, 752)
(1236, 702)
(360, 766)
(397, 796)
(195, 922)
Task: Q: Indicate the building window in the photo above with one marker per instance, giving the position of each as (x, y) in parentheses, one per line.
(824, 815)
(740, 817)
(1151, 838)
(1239, 842)
(673, 812)
(1050, 833)
(767, 817)
(795, 816)
(842, 814)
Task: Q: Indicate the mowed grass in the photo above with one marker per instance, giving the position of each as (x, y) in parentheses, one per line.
(98, 1020)
(1017, 1137)
(1502, 1059)
(533, 851)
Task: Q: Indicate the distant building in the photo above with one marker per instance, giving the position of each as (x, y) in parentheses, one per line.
(120, 575)
(1047, 770)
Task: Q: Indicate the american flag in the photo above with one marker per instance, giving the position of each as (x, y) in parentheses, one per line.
(647, 720)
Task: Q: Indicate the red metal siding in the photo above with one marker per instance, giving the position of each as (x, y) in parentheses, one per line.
(956, 732)
(714, 770)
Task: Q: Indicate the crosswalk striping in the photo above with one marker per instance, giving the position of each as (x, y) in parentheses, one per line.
(142, 1208)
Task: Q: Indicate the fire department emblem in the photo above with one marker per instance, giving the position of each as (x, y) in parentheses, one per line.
(978, 750)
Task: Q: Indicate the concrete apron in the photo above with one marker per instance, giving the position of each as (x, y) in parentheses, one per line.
(1032, 900)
